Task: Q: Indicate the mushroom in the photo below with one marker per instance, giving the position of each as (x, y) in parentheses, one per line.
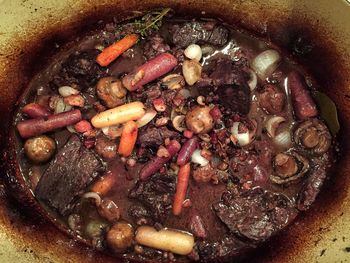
(271, 99)
(111, 91)
(39, 149)
(199, 120)
(288, 167)
(313, 136)
(120, 237)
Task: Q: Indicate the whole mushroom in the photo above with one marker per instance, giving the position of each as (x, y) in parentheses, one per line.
(111, 91)
(288, 167)
(199, 120)
(120, 236)
(39, 149)
(313, 135)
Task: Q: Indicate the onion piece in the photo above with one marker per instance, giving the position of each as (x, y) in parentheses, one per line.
(193, 51)
(272, 124)
(185, 93)
(93, 195)
(113, 131)
(192, 71)
(179, 123)
(198, 158)
(243, 138)
(71, 129)
(145, 119)
(62, 107)
(266, 63)
(66, 91)
(253, 81)
(283, 139)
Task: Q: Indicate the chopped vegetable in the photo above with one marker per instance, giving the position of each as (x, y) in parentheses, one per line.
(104, 184)
(181, 188)
(110, 53)
(128, 139)
(33, 127)
(39, 149)
(127, 112)
(187, 150)
(151, 70)
(34, 110)
(192, 71)
(157, 162)
(175, 241)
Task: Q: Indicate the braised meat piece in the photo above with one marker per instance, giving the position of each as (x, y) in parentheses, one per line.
(80, 68)
(255, 214)
(153, 136)
(196, 32)
(156, 194)
(69, 173)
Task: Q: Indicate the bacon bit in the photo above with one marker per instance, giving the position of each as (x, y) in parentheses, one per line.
(215, 113)
(90, 133)
(131, 162)
(74, 100)
(83, 126)
(187, 203)
(89, 143)
(178, 101)
(206, 154)
(159, 105)
(99, 107)
(162, 121)
(167, 141)
(247, 185)
(162, 152)
(188, 134)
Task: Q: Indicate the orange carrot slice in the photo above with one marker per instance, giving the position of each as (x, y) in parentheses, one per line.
(128, 139)
(116, 49)
(181, 188)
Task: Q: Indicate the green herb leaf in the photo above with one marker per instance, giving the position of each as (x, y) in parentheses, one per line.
(150, 21)
(328, 111)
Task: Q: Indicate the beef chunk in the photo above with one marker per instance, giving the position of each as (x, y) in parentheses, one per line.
(70, 172)
(80, 68)
(222, 250)
(311, 187)
(155, 46)
(153, 136)
(222, 70)
(228, 81)
(255, 214)
(198, 32)
(156, 195)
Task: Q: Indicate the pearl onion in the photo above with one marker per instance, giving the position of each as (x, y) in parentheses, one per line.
(193, 51)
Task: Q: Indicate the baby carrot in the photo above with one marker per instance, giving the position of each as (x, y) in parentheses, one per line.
(181, 188)
(116, 49)
(128, 138)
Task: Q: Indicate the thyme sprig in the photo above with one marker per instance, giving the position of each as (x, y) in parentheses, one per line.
(150, 22)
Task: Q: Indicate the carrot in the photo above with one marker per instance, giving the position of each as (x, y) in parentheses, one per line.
(116, 49)
(104, 184)
(121, 114)
(128, 139)
(181, 188)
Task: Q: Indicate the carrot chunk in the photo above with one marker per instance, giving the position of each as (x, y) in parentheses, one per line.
(116, 49)
(128, 139)
(181, 188)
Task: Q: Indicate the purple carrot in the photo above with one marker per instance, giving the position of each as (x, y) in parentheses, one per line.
(187, 150)
(157, 163)
(303, 105)
(150, 71)
(34, 127)
(35, 110)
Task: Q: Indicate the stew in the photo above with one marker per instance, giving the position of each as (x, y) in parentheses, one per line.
(173, 138)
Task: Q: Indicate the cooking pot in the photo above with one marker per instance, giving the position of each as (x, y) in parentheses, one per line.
(319, 33)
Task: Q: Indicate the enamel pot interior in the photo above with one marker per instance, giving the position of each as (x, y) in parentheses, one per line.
(30, 33)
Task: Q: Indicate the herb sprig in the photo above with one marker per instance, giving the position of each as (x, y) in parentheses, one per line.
(150, 22)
